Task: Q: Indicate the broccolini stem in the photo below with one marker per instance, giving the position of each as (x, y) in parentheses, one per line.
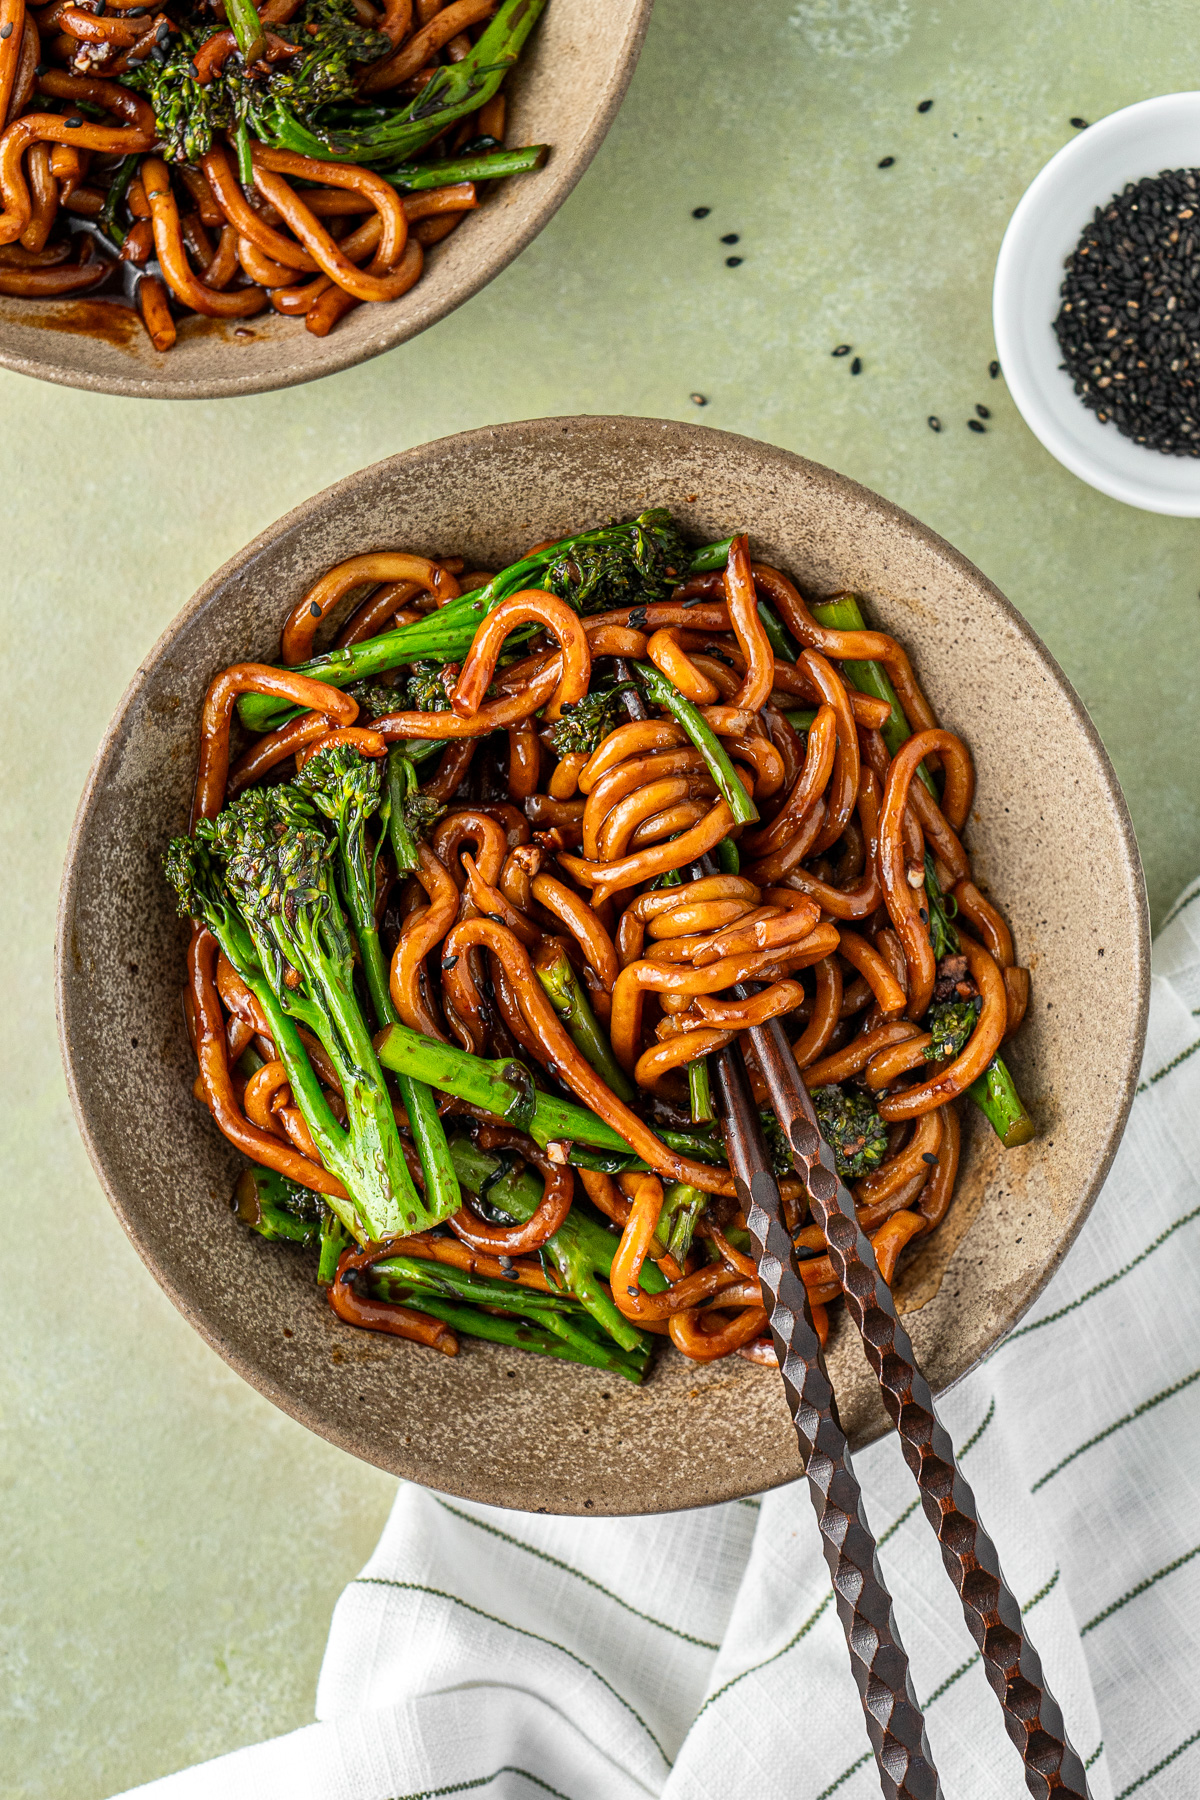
(872, 678)
(729, 859)
(333, 1241)
(566, 995)
(664, 693)
(710, 557)
(995, 1094)
(257, 1199)
(778, 634)
(499, 1087)
(399, 788)
(681, 1207)
(581, 1249)
(803, 719)
(247, 29)
(241, 141)
(699, 1091)
(442, 1193)
(411, 178)
(545, 1333)
(122, 176)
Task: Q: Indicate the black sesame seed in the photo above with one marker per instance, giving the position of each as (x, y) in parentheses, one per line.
(856, 366)
(993, 369)
(632, 1292)
(701, 212)
(885, 162)
(73, 122)
(974, 425)
(1079, 124)
(699, 399)
(315, 610)
(1129, 321)
(6, 31)
(134, 1043)
(731, 237)
(842, 350)
(734, 262)
(930, 1158)
(933, 422)
(350, 1277)
(448, 962)
(924, 106)
(981, 412)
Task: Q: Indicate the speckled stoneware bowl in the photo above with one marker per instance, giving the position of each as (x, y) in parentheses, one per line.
(1049, 833)
(564, 92)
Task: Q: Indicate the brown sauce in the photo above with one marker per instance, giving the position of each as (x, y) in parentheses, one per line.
(109, 320)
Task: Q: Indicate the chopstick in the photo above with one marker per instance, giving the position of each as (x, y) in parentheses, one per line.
(877, 1659)
(1031, 1714)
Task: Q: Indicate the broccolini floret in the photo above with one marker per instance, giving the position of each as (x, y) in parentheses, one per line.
(951, 1022)
(853, 1129)
(426, 689)
(777, 1144)
(632, 565)
(586, 723)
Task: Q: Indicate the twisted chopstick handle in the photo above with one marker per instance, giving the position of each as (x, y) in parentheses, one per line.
(877, 1658)
(1031, 1713)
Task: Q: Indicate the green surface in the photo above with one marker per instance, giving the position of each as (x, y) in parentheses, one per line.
(166, 1587)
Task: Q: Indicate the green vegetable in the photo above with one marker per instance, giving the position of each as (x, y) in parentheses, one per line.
(995, 1094)
(334, 1239)
(942, 934)
(278, 1208)
(586, 723)
(445, 635)
(779, 637)
(397, 132)
(681, 1208)
(633, 565)
(710, 557)
(951, 1022)
(424, 690)
(347, 786)
(851, 1125)
(499, 1087)
(776, 1143)
(565, 992)
(581, 1250)
(410, 813)
(845, 614)
(547, 1324)
(412, 178)
(259, 876)
(664, 693)
(699, 1091)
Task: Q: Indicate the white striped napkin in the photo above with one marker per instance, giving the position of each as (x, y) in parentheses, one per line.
(698, 1656)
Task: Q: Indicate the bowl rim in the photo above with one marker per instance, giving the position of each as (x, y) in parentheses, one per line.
(336, 1430)
(1011, 327)
(344, 353)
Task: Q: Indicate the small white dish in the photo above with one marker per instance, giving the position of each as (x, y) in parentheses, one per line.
(1138, 141)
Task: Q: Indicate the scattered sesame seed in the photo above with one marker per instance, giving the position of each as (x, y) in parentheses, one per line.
(856, 366)
(842, 350)
(981, 412)
(699, 399)
(1079, 124)
(731, 237)
(925, 106)
(734, 262)
(885, 162)
(993, 369)
(701, 212)
(974, 425)
(72, 122)
(6, 32)
(930, 1158)
(933, 422)
(315, 610)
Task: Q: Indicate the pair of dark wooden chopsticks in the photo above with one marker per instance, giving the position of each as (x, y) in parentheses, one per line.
(894, 1722)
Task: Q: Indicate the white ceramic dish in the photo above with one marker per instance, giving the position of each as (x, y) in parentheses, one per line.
(1140, 140)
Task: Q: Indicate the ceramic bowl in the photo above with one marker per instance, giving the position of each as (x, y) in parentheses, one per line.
(1138, 141)
(564, 92)
(1049, 834)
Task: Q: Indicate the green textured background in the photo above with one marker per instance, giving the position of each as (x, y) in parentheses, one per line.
(173, 1547)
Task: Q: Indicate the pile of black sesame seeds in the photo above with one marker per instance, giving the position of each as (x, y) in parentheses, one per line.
(1129, 327)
